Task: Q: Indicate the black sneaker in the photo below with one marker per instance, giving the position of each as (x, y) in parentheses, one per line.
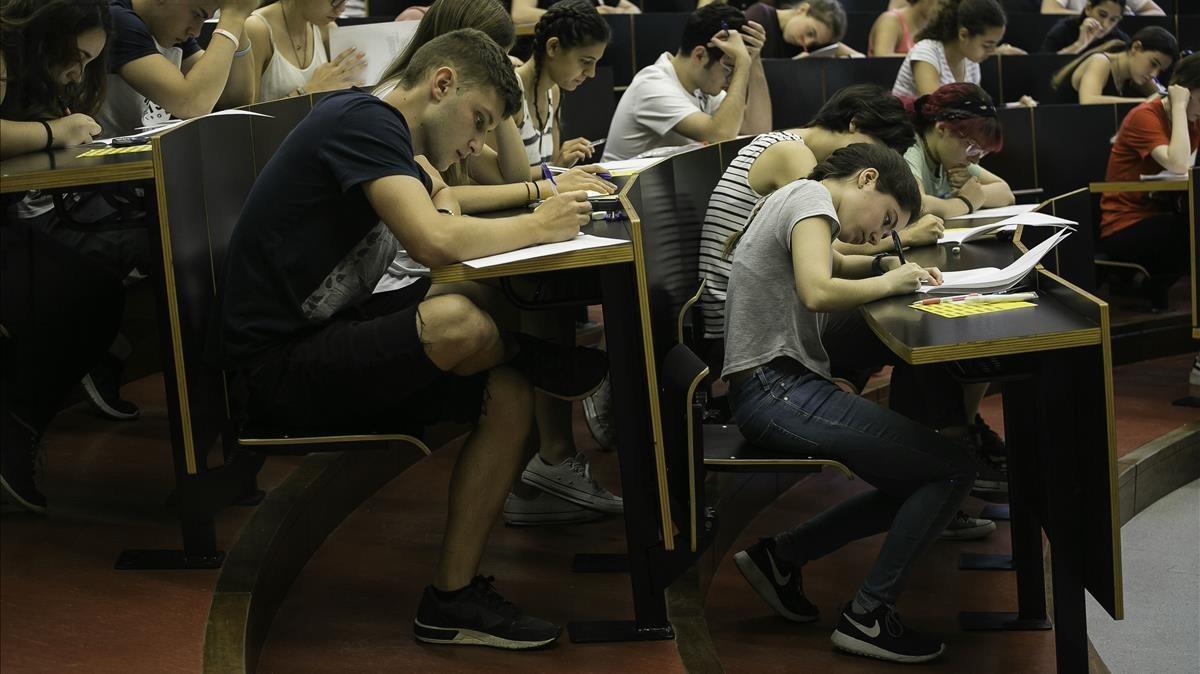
(880, 634)
(103, 388)
(21, 464)
(479, 616)
(776, 581)
(566, 372)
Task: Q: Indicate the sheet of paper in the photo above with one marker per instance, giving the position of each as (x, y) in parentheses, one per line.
(960, 309)
(626, 167)
(172, 124)
(1000, 212)
(1031, 219)
(991, 279)
(379, 42)
(581, 242)
(1163, 175)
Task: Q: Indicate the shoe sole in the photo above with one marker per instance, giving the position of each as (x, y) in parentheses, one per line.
(101, 404)
(464, 637)
(849, 644)
(12, 493)
(974, 533)
(524, 520)
(571, 494)
(765, 588)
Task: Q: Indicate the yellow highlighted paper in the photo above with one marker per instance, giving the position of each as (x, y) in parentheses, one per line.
(101, 151)
(960, 309)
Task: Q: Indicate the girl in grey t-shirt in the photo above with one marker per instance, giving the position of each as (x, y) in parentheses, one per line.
(786, 277)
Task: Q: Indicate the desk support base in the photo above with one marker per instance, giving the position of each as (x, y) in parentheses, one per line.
(976, 621)
(609, 631)
(971, 561)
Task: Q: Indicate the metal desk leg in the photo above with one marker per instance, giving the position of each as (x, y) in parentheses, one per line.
(631, 409)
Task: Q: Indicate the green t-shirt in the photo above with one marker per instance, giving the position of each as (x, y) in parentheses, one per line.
(933, 178)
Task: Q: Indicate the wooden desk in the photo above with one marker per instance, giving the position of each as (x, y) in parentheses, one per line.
(62, 169)
(1139, 186)
(1055, 364)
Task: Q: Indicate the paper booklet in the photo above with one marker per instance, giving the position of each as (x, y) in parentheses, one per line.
(991, 279)
(160, 128)
(1000, 212)
(380, 44)
(1163, 175)
(580, 242)
(1031, 219)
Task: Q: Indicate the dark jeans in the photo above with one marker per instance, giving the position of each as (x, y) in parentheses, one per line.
(920, 477)
(60, 312)
(1159, 243)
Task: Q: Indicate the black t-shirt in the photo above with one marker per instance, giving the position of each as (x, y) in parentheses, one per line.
(308, 243)
(131, 39)
(1065, 32)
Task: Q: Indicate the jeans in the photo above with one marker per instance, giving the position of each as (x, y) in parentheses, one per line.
(920, 477)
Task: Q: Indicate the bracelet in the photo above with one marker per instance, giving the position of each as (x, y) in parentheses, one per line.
(539, 190)
(228, 35)
(970, 206)
(243, 52)
(49, 135)
(877, 264)
(528, 193)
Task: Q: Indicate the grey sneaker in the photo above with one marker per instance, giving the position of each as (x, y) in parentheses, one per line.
(545, 509)
(966, 528)
(571, 480)
(597, 412)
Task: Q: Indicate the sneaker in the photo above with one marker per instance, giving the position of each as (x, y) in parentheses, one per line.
(103, 388)
(880, 634)
(597, 412)
(776, 581)
(478, 616)
(545, 509)
(966, 528)
(21, 464)
(1194, 378)
(572, 480)
(565, 372)
(990, 442)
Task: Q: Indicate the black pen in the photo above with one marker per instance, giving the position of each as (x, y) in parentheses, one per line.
(899, 251)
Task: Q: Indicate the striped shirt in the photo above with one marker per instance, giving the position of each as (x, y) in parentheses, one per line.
(539, 145)
(932, 52)
(728, 210)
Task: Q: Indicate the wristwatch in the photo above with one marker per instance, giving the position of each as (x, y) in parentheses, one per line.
(877, 263)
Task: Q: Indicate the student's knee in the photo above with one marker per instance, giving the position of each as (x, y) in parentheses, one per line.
(452, 329)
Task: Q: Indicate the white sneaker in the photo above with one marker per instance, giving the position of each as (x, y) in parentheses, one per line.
(571, 480)
(1193, 380)
(597, 412)
(966, 528)
(545, 509)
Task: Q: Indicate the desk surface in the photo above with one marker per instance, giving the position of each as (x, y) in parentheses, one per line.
(920, 337)
(1140, 186)
(63, 169)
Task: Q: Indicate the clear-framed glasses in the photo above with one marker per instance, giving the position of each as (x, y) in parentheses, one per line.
(973, 151)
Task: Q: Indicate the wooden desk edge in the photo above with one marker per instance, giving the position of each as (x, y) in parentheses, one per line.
(78, 177)
(1139, 186)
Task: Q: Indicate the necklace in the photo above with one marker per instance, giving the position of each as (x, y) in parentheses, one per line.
(299, 52)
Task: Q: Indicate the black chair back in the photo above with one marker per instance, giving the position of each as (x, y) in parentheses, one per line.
(588, 110)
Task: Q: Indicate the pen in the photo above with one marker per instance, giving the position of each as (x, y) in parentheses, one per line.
(899, 248)
(548, 175)
(597, 143)
(985, 299)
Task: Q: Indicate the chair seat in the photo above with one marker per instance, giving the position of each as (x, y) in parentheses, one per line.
(727, 450)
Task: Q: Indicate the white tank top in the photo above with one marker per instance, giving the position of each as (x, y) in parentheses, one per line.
(281, 77)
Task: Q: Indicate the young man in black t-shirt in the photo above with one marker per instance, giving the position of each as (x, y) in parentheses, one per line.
(321, 355)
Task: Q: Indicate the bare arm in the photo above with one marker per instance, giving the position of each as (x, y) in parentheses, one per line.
(1175, 156)
(885, 35)
(435, 239)
(1095, 72)
(779, 165)
(263, 50)
(996, 191)
(758, 104)
(1151, 9)
(1052, 7)
(526, 11)
(24, 137)
(925, 77)
(511, 161)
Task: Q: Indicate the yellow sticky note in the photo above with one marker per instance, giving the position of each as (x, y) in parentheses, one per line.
(960, 309)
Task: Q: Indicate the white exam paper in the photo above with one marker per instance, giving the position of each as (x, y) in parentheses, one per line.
(581, 242)
(1031, 219)
(991, 279)
(174, 123)
(999, 212)
(379, 42)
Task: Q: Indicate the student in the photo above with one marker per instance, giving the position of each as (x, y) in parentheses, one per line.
(500, 176)
(860, 113)
(1116, 72)
(711, 89)
(801, 28)
(59, 312)
(1139, 7)
(568, 41)
(301, 65)
(531, 11)
(962, 35)
(159, 71)
(786, 276)
(956, 127)
(319, 354)
(1161, 134)
(893, 31)
(1097, 21)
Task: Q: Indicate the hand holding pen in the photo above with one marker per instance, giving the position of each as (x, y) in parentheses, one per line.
(70, 129)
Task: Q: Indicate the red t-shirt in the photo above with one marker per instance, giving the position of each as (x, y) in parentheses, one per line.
(1145, 127)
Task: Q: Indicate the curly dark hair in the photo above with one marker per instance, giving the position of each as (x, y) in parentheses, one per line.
(874, 111)
(575, 23)
(704, 23)
(38, 42)
(477, 59)
(975, 15)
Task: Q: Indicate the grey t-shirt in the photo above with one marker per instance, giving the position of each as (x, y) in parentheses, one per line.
(764, 317)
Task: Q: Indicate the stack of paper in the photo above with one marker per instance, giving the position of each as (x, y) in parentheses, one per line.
(380, 43)
(991, 279)
(580, 242)
(160, 128)
(627, 167)
(999, 212)
(1031, 219)
(1164, 175)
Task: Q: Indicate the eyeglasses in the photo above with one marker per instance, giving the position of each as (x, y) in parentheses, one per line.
(973, 151)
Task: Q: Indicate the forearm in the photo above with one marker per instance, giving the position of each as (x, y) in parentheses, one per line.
(855, 266)
(206, 81)
(728, 117)
(858, 249)
(242, 88)
(445, 199)
(758, 102)
(841, 294)
(943, 208)
(21, 138)
(1093, 99)
(485, 198)
(997, 194)
(510, 150)
(462, 237)
(1179, 151)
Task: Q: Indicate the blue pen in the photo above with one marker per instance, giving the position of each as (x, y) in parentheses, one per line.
(548, 175)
